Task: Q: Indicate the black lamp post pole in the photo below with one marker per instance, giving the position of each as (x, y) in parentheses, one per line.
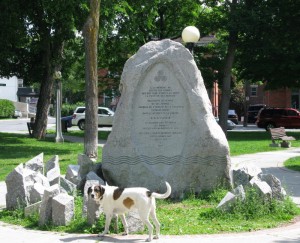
(190, 46)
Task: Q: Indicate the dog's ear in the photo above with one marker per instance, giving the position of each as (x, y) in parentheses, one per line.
(89, 190)
(103, 191)
(100, 190)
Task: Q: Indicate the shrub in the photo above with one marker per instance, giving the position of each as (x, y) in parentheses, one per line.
(66, 109)
(255, 207)
(7, 108)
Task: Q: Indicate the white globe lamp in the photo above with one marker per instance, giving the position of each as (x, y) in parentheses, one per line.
(190, 35)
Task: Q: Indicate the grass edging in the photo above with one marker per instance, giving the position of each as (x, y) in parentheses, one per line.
(293, 163)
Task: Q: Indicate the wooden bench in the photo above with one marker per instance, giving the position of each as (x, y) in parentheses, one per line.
(279, 134)
(30, 126)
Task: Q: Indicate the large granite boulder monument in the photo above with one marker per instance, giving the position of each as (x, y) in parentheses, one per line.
(164, 129)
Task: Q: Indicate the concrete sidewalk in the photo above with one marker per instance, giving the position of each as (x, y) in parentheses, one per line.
(270, 162)
(288, 234)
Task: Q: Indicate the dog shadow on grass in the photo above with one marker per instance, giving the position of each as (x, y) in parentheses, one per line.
(109, 238)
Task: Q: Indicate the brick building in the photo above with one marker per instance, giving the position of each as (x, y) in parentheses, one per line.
(274, 98)
(258, 95)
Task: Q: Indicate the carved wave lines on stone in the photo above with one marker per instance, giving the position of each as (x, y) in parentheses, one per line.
(164, 160)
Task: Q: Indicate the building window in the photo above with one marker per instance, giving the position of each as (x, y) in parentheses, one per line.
(295, 99)
(20, 83)
(2, 84)
(253, 90)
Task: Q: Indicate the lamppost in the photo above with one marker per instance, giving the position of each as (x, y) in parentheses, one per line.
(58, 137)
(246, 102)
(190, 35)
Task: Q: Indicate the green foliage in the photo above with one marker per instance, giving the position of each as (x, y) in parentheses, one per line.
(7, 108)
(27, 31)
(73, 70)
(127, 25)
(254, 207)
(269, 48)
(67, 109)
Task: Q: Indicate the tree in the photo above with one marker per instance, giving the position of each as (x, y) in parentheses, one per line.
(136, 22)
(263, 38)
(270, 50)
(90, 33)
(223, 18)
(35, 48)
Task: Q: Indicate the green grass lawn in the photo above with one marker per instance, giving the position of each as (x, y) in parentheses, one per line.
(254, 142)
(189, 216)
(101, 134)
(19, 148)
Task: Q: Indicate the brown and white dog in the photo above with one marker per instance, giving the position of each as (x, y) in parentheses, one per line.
(115, 200)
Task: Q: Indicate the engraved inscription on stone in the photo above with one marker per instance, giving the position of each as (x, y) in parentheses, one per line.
(160, 117)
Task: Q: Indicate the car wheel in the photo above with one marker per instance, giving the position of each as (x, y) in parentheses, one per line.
(81, 124)
(270, 125)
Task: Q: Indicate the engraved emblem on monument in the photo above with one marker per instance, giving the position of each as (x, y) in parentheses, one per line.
(160, 76)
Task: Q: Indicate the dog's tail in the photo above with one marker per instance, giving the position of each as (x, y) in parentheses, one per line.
(165, 195)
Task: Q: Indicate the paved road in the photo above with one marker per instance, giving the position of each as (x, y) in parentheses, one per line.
(14, 125)
(20, 125)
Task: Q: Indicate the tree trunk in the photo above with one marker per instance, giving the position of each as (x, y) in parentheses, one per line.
(90, 32)
(226, 91)
(226, 88)
(41, 118)
(51, 60)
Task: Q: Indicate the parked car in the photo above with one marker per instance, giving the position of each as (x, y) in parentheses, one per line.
(105, 117)
(278, 117)
(230, 124)
(17, 114)
(232, 116)
(253, 112)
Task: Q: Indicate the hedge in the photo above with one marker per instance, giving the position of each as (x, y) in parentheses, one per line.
(7, 108)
